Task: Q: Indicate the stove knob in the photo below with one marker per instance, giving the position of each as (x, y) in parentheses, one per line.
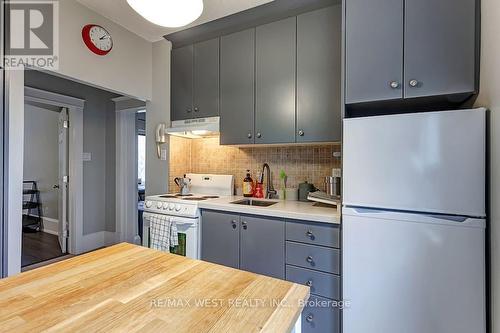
(158, 205)
(171, 206)
(177, 208)
(165, 205)
(149, 204)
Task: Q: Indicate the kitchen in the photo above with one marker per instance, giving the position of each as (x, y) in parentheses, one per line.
(322, 143)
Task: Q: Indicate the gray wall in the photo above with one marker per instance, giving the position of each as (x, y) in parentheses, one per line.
(98, 139)
(41, 154)
(158, 111)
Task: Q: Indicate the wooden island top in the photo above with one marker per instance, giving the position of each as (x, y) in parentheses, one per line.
(128, 288)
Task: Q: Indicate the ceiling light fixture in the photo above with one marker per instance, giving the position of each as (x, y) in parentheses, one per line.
(168, 13)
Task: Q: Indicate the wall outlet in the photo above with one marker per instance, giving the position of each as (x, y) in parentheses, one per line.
(337, 172)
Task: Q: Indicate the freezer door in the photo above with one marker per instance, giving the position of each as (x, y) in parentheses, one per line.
(424, 162)
(413, 275)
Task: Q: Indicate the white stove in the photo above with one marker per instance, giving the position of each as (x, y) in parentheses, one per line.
(185, 211)
(176, 204)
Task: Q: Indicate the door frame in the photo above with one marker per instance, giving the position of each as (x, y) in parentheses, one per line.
(75, 162)
(126, 168)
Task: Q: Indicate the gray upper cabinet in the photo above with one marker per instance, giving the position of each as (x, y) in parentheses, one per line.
(399, 49)
(206, 79)
(275, 82)
(319, 75)
(195, 81)
(374, 50)
(182, 83)
(262, 246)
(220, 238)
(440, 49)
(237, 93)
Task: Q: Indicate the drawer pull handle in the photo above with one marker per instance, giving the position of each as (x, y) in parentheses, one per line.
(309, 283)
(310, 234)
(310, 318)
(233, 222)
(244, 225)
(309, 259)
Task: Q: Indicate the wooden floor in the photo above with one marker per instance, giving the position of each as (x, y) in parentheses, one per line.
(38, 247)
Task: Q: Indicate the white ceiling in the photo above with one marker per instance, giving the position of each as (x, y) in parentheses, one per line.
(120, 12)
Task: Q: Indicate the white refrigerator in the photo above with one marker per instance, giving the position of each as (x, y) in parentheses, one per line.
(413, 223)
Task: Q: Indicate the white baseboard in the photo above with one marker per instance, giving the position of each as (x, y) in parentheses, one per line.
(50, 226)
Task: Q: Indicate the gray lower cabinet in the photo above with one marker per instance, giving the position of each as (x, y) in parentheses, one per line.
(275, 82)
(320, 316)
(319, 75)
(182, 83)
(321, 284)
(440, 47)
(313, 259)
(313, 233)
(250, 243)
(206, 79)
(237, 87)
(220, 238)
(262, 243)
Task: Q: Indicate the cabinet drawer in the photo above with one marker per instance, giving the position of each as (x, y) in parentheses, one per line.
(313, 233)
(322, 284)
(319, 319)
(313, 257)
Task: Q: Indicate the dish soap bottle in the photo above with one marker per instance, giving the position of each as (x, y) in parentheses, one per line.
(248, 185)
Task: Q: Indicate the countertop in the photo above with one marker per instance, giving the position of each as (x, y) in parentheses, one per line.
(128, 288)
(286, 209)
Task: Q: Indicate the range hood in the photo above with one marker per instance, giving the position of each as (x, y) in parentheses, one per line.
(195, 128)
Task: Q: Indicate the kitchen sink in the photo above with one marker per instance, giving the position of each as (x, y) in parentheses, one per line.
(251, 202)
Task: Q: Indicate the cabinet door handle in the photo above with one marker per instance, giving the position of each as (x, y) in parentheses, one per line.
(394, 84)
(301, 133)
(309, 259)
(196, 109)
(413, 83)
(259, 135)
(233, 223)
(244, 224)
(309, 283)
(310, 318)
(249, 135)
(310, 234)
(188, 110)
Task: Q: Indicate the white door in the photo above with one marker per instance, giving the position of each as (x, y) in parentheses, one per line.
(425, 162)
(63, 179)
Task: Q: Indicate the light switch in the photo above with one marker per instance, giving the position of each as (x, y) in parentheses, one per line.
(163, 154)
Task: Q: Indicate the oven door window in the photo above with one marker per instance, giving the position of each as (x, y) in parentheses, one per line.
(181, 248)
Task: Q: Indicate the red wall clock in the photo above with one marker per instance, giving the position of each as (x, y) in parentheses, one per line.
(97, 39)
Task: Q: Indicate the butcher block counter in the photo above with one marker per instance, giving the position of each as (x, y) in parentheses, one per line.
(128, 288)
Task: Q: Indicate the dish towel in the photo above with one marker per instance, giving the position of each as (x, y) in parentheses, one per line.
(163, 233)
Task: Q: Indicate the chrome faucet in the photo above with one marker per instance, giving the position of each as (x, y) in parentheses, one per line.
(270, 191)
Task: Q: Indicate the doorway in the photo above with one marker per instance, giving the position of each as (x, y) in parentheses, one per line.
(45, 183)
(140, 126)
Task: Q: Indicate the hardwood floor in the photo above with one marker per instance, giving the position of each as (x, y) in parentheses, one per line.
(38, 247)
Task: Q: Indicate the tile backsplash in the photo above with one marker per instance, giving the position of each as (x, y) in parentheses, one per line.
(301, 163)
